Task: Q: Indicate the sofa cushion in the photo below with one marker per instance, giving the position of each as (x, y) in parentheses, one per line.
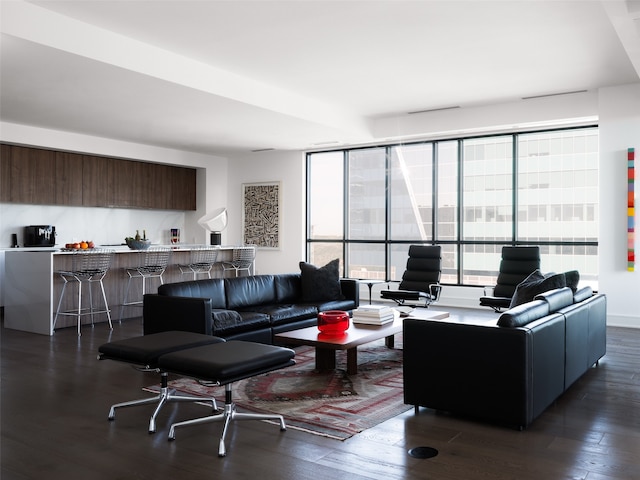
(521, 315)
(225, 319)
(557, 299)
(319, 284)
(205, 288)
(243, 292)
(534, 284)
(582, 294)
(228, 322)
(286, 313)
(288, 288)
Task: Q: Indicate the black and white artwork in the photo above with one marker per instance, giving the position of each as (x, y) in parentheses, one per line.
(261, 214)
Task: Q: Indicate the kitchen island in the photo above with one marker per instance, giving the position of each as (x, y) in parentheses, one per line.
(32, 288)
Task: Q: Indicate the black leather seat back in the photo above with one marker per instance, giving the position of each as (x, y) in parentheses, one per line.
(516, 264)
(210, 288)
(248, 291)
(423, 268)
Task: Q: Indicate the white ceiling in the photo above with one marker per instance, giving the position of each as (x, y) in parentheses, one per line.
(231, 76)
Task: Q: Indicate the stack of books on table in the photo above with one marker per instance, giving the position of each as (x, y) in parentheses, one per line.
(373, 314)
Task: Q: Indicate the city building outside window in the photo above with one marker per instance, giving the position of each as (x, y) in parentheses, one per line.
(366, 205)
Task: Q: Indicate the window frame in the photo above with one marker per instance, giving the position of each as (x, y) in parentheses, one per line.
(460, 242)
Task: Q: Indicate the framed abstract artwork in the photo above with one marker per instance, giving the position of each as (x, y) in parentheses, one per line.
(631, 213)
(261, 214)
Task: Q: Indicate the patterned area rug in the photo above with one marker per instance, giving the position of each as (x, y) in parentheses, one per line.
(331, 404)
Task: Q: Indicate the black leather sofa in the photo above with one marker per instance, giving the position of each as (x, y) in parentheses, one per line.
(251, 308)
(507, 371)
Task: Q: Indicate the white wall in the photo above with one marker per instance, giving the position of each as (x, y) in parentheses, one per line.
(619, 110)
(288, 168)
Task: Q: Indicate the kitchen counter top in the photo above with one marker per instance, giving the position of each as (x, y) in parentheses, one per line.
(31, 295)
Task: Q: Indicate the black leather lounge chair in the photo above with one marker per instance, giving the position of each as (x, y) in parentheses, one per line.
(421, 280)
(516, 264)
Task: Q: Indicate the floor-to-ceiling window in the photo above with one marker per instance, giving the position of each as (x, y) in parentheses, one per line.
(366, 205)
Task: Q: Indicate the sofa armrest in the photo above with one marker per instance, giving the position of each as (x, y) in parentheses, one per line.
(350, 290)
(163, 313)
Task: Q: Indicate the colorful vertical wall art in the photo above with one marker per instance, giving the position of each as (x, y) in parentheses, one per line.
(631, 256)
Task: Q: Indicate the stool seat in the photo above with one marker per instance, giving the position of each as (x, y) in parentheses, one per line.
(145, 352)
(228, 362)
(201, 261)
(223, 364)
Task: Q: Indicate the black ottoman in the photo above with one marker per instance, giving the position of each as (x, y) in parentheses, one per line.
(144, 352)
(223, 364)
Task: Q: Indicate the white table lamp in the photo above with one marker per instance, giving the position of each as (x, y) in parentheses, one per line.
(215, 222)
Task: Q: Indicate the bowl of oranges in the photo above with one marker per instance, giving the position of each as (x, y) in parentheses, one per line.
(83, 245)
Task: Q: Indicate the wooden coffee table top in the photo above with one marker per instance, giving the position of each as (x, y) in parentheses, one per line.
(357, 333)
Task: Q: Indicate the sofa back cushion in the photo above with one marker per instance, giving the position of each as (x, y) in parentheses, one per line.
(288, 288)
(243, 292)
(557, 299)
(582, 294)
(523, 314)
(211, 288)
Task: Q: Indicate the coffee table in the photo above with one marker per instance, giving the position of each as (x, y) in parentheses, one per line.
(357, 334)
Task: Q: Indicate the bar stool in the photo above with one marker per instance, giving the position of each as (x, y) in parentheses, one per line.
(153, 262)
(243, 258)
(200, 262)
(87, 267)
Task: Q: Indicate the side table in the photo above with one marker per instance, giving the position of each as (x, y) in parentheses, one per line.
(369, 282)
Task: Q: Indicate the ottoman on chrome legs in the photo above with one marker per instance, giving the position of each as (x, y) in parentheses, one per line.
(224, 364)
(143, 352)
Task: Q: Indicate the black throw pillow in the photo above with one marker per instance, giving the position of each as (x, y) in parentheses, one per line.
(321, 284)
(572, 278)
(534, 284)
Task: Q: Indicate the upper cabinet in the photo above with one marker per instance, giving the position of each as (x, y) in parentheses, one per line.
(46, 177)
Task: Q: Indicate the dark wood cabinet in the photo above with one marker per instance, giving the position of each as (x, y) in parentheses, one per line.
(68, 178)
(97, 181)
(182, 188)
(32, 176)
(47, 177)
(5, 173)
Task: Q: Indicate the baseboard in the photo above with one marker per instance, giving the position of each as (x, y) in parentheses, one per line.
(626, 321)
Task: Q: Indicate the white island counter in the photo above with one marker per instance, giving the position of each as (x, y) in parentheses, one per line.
(32, 289)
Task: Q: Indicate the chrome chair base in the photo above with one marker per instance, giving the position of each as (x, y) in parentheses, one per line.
(165, 396)
(228, 415)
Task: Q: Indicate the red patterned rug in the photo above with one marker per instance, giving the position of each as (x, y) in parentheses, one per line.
(332, 404)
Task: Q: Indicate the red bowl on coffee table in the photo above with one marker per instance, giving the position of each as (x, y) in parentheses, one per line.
(333, 322)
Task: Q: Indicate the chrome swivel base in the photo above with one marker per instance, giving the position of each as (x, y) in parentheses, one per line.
(229, 414)
(165, 396)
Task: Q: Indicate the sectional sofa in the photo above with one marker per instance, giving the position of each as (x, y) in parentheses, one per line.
(507, 370)
(251, 308)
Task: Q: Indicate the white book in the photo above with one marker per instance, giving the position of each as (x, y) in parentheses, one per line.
(372, 321)
(373, 308)
(377, 312)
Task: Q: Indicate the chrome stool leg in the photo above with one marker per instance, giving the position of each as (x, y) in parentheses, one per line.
(165, 396)
(228, 415)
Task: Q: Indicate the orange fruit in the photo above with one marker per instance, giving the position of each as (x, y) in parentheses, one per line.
(84, 245)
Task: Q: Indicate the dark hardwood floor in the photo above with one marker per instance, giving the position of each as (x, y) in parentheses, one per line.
(56, 396)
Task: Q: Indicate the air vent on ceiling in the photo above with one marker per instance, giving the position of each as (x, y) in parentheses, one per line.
(434, 110)
(554, 94)
(257, 150)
